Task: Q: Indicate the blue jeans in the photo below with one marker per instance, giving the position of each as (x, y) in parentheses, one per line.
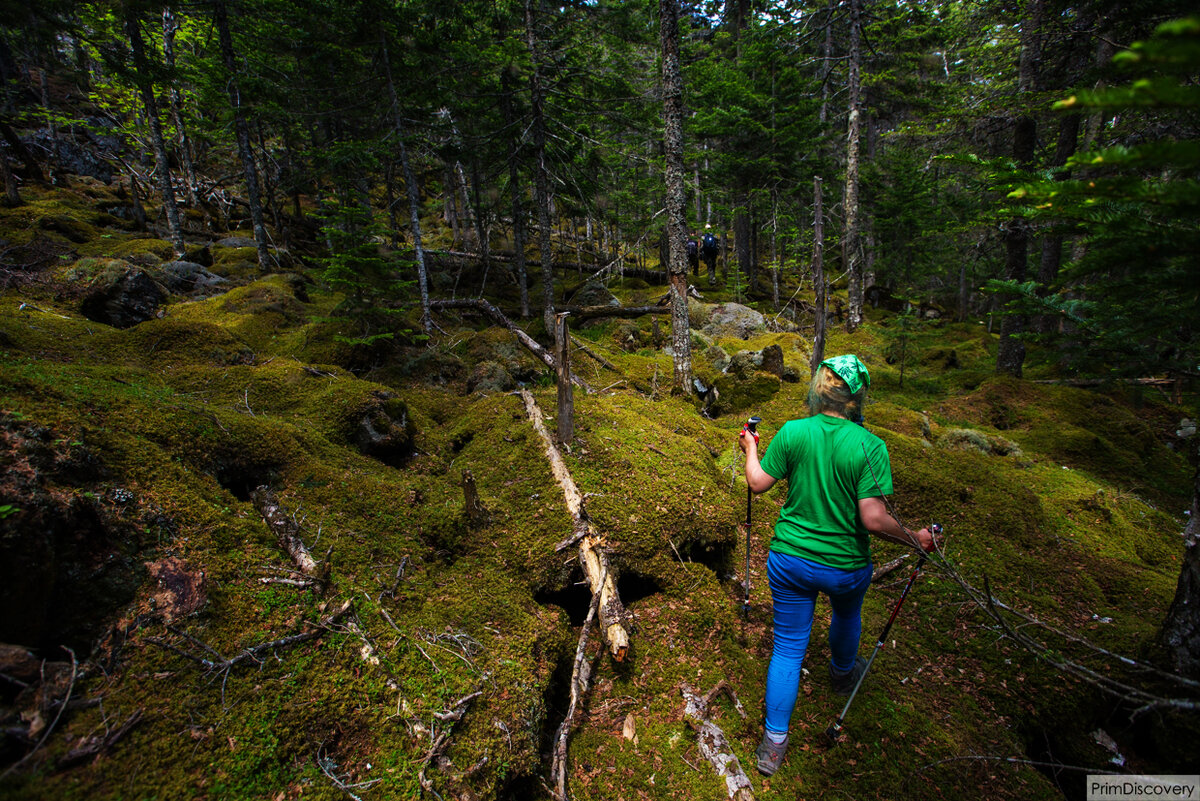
(795, 583)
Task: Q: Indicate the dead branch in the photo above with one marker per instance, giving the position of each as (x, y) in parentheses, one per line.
(329, 768)
(442, 741)
(497, 316)
(891, 566)
(592, 555)
(287, 534)
(222, 664)
(579, 346)
(713, 744)
(92, 747)
(581, 677)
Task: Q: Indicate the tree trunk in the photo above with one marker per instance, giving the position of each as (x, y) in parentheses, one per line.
(12, 193)
(819, 286)
(1052, 244)
(566, 395)
(170, 28)
(242, 131)
(1181, 630)
(851, 244)
(741, 239)
(541, 183)
(414, 197)
(141, 65)
(681, 337)
(1010, 353)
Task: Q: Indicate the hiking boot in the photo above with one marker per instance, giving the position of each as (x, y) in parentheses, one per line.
(843, 683)
(770, 755)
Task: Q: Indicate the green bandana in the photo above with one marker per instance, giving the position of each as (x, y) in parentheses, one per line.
(850, 370)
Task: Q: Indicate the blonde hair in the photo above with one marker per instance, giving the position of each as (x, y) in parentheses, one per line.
(829, 393)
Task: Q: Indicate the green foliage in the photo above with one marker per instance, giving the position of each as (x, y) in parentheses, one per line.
(1133, 300)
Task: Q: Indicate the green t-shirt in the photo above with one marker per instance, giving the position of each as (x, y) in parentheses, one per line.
(824, 460)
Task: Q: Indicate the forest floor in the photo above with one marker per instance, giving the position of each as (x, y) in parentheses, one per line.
(129, 534)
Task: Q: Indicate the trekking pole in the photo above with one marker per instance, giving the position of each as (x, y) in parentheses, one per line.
(836, 727)
(749, 426)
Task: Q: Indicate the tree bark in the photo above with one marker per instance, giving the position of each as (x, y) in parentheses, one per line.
(681, 337)
(1010, 352)
(566, 398)
(851, 238)
(414, 198)
(820, 288)
(541, 182)
(133, 30)
(170, 28)
(1052, 243)
(242, 132)
(12, 192)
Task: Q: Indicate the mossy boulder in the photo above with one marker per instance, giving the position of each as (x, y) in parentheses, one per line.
(490, 377)
(146, 252)
(188, 277)
(594, 293)
(740, 394)
(123, 298)
(969, 438)
(68, 226)
(735, 320)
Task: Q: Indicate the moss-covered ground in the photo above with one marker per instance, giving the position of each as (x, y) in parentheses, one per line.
(1069, 502)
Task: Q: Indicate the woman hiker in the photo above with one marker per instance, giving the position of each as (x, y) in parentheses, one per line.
(837, 474)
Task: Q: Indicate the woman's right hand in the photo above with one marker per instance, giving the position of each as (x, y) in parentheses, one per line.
(927, 540)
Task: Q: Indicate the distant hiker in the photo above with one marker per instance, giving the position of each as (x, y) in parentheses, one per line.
(821, 542)
(709, 248)
(693, 256)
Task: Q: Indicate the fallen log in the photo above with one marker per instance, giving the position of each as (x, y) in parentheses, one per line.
(495, 314)
(712, 742)
(592, 556)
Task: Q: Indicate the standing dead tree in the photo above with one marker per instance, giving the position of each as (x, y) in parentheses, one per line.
(592, 555)
(712, 742)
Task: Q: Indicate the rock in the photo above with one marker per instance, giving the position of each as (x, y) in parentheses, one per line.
(790, 374)
(772, 360)
(719, 358)
(200, 254)
(490, 377)
(81, 153)
(745, 362)
(187, 276)
(594, 293)
(124, 300)
(735, 320)
(237, 242)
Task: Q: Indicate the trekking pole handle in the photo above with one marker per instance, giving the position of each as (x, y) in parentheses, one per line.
(751, 425)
